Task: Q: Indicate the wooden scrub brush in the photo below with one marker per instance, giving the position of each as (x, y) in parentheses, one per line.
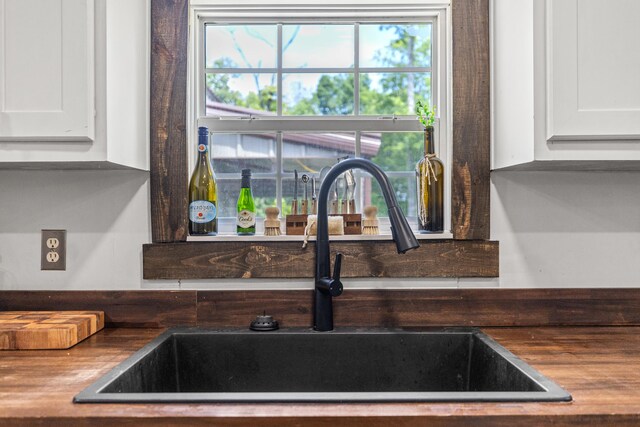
(272, 223)
(370, 223)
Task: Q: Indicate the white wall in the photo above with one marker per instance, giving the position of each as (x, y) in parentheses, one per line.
(567, 229)
(105, 213)
(560, 229)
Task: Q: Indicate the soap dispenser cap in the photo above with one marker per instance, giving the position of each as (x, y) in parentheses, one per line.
(263, 323)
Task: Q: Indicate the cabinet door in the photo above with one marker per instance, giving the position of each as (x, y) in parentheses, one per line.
(593, 69)
(46, 70)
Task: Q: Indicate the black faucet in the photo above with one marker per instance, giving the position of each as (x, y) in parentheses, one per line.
(328, 286)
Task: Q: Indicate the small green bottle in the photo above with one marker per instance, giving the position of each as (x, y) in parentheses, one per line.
(246, 220)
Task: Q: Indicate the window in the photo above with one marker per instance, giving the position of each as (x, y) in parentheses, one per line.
(298, 89)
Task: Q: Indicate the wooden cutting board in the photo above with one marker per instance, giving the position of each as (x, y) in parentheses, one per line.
(39, 330)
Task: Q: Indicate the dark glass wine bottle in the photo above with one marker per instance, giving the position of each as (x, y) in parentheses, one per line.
(246, 220)
(203, 192)
(430, 187)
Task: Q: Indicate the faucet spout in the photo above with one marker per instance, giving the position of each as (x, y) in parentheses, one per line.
(326, 287)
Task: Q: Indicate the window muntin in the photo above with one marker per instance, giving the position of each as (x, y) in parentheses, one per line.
(415, 38)
(317, 46)
(373, 123)
(263, 190)
(313, 94)
(229, 41)
(232, 152)
(240, 94)
(310, 152)
(415, 85)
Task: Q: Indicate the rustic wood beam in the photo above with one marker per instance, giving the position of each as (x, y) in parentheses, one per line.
(209, 260)
(471, 120)
(168, 145)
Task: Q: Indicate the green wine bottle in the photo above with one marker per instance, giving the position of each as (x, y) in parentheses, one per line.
(246, 220)
(203, 192)
(430, 188)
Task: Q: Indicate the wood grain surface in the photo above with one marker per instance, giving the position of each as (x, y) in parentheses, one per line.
(355, 307)
(168, 117)
(286, 259)
(599, 366)
(421, 308)
(141, 309)
(38, 330)
(471, 120)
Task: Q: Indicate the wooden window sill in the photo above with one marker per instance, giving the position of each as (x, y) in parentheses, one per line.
(253, 258)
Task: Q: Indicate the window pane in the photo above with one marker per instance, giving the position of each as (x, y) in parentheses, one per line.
(314, 46)
(317, 94)
(310, 152)
(398, 151)
(395, 45)
(233, 152)
(263, 190)
(287, 197)
(387, 93)
(241, 46)
(404, 188)
(241, 94)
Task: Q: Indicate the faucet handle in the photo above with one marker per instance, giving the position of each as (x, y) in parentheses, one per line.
(335, 285)
(332, 285)
(336, 266)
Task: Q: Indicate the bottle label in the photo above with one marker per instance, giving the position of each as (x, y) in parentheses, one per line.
(201, 211)
(246, 219)
(202, 148)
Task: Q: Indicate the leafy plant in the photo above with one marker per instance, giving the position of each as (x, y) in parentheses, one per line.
(425, 114)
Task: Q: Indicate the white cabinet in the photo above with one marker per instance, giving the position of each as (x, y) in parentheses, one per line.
(74, 76)
(566, 84)
(46, 70)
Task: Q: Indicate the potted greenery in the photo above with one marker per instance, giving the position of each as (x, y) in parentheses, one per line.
(426, 115)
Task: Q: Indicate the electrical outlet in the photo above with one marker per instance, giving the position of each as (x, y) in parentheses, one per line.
(53, 250)
(53, 243)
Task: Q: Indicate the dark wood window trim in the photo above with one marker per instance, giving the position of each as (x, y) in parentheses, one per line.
(470, 254)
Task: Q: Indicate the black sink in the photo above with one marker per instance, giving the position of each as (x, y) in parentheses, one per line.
(195, 365)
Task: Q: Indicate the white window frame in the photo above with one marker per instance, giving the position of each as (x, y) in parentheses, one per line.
(308, 11)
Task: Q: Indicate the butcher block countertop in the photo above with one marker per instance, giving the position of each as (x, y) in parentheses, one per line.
(599, 366)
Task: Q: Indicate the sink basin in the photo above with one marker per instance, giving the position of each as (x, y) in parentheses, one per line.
(195, 365)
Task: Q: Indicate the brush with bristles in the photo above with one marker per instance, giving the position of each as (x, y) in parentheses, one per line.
(272, 223)
(370, 223)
